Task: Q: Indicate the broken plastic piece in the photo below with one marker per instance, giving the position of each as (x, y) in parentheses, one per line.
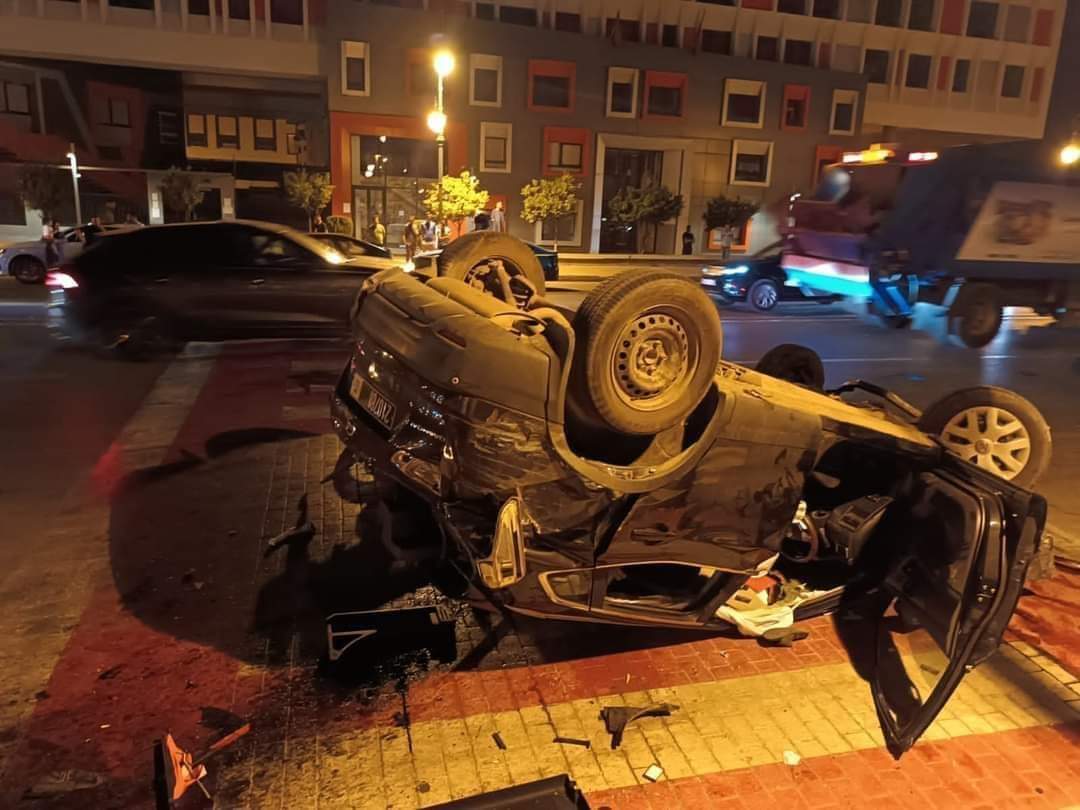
(573, 741)
(653, 772)
(784, 636)
(497, 737)
(56, 783)
(617, 718)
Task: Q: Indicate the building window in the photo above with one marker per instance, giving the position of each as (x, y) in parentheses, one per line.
(495, 147)
(751, 163)
(622, 92)
(355, 73)
(842, 117)
(876, 66)
(566, 21)
(713, 41)
(1012, 85)
(517, 15)
(551, 85)
(744, 104)
(960, 75)
(796, 106)
(116, 113)
(798, 52)
(982, 20)
(566, 149)
(485, 80)
(14, 98)
(564, 157)
(620, 30)
(1017, 23)
(565, 230)
(295, 138)
(227, 134)
(921, 15)
(665, 93)
(168, 127)
(827, 9)
(485, 11)
(918, 71)
(669, 36)
(792, 6)
(196, 129)
(888, 13)
(265, 135)
(860, 10)
(768, 49)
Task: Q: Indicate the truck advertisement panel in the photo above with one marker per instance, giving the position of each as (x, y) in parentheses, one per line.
(1026, 222)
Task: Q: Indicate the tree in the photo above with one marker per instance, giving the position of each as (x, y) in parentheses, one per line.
(310, 191)
(454, 198)
(647, 206)
(43, 188)
(553, 198)
(722, 212)
(180, 192)
(340, 224)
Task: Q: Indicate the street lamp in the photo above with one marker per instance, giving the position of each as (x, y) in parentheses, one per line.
(74, 161)
(443, 62)
(1070, 154)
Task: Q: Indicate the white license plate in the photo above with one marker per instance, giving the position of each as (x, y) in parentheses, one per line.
(372, 401)
(709, 282)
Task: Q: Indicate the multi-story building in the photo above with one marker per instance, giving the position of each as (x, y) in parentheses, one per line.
(735, 97)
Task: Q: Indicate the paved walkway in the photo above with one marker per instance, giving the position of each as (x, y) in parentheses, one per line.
(173, 616)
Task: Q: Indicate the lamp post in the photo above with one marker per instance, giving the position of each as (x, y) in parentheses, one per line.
(436, 120)
(74, 161)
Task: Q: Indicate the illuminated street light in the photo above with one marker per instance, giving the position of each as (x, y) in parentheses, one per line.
(1070, 154)
(74, 161)
(436, 121)
(444, 64)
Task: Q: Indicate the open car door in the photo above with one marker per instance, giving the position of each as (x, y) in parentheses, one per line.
(972, 536)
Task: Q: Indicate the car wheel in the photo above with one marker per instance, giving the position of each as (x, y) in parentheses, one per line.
(763, 294)
(648, 344)
(794, 363)
(477, 257)
(28, 270)
(976, 314)
(995, 429)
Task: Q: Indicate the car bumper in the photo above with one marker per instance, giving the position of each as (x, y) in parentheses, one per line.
(724, 289)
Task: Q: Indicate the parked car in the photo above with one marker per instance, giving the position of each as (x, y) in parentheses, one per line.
(26, 260)
(757, 279)
(141, 290)
(352, 248)
(548, 259)
(613, 469)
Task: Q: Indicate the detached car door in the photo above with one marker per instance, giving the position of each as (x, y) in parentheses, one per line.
(971, 537)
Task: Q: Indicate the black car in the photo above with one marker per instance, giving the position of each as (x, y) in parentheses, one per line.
(206, 281)
(548, 259)
(758, 279)
(612, 469)
(352, 248)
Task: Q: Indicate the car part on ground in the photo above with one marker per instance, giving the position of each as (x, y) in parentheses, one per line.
(552, 793)
(995, 429)
(494, 263)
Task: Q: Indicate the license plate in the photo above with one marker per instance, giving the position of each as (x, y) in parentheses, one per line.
(372, 401)
(709, 282)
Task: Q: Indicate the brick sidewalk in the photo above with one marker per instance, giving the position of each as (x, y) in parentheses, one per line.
(186, 611)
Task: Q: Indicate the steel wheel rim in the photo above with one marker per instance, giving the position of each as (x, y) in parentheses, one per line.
(765, 296)
(989, 437)
(482, 276)
(654, 359)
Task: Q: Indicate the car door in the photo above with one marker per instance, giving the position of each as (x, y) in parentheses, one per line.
(971, 538)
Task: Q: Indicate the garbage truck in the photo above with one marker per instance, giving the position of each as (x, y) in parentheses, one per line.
(972, 229)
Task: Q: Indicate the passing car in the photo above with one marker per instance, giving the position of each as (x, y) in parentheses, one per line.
(148, 289)
(611, 468)
(26, 261)
(352, 248)
(757, 279)
(548, 259)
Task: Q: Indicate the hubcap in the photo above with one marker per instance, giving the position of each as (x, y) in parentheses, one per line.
(991, 438)
(765, 296)
(653, 359)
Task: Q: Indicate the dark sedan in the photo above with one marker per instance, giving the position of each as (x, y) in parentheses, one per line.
(757, 279)
(206, 281)
(549, 260)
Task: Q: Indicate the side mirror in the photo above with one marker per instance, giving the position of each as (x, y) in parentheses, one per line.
(506, 563)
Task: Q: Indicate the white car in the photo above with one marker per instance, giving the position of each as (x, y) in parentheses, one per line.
(26, 260)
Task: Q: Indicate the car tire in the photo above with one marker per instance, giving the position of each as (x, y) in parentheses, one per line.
(794, 363)
(28, 270)
(976, 314)
(995, 429)
(468, 257)
(763, 295)
(647, 348)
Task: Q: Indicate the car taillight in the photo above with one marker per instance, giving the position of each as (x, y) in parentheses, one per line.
(60, 280)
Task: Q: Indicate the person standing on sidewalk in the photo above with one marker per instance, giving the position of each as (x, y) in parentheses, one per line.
(727, 236)
(498, 218)
(318, 225)
(688, 241)
(48, 236)
(377, 232)
(410, 237)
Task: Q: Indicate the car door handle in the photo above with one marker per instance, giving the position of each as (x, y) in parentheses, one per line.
(255, 282)
(162, 280)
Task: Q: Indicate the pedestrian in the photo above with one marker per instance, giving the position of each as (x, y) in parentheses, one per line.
(688, 242)
(429, 234)
(727, 236)
(482, 221)
(410, 238)
(92, 230)
(48, 236)
(498, 218)
(317, 224)
(377, 232)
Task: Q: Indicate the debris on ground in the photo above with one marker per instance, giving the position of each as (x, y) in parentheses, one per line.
(783, 636)
(617, 718)
(57, 783)
(553, 793)
(299, 535)
(176, 771)
(573, 741)
(497, 737)
(392, 631)
(110, 673)
(653, 772)
(189, 579)
(792, 758)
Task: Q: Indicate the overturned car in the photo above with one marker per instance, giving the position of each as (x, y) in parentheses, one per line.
(606, 465)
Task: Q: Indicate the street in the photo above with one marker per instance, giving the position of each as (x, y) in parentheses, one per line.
(138, 594)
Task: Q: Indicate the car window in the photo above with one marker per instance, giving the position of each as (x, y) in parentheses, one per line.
(770, 251)
(274, 250)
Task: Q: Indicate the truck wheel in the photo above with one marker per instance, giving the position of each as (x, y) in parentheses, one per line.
(763, 294)
(647, 351)
(975, 316)
(794, 363)
(475, 257)
(995, 429)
